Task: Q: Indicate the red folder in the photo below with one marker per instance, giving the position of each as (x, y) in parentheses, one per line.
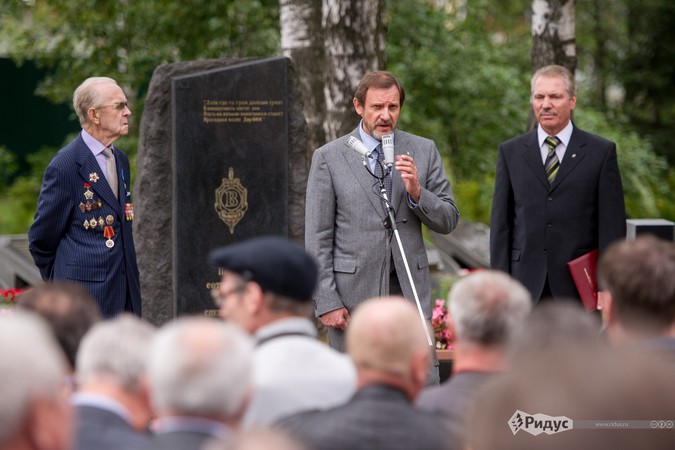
(582, 270)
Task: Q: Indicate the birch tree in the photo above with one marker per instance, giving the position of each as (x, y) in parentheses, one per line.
(355, 33)
(553, 37)
(553, 34)
(302, 41)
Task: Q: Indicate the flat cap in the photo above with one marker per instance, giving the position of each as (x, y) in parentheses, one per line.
(275, 263)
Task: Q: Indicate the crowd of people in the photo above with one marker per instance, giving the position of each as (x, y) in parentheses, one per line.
(83, 370)
(262, 379)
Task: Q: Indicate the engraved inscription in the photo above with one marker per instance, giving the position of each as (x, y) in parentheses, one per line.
(241, 111)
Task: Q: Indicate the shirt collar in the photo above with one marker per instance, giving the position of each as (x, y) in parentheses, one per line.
(565, 134)
(94, 145)
(101, 402)
(292, 324)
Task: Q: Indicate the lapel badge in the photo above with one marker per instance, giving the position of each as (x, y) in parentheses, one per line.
(574, 155)
(93, 177)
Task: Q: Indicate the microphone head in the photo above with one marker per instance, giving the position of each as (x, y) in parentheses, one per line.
(358, 147)
(388, 148)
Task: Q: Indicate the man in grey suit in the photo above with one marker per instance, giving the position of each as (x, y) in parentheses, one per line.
(557, 193)
(112, 403)
(346, 225)
(392, 360)
(486, 309)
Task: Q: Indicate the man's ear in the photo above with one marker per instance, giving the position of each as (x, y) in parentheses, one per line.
(254, 297)
(92, 114)
(358, 107)
(420, 367)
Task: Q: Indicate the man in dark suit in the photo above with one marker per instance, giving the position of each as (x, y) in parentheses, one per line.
(200, 382)
(557, 193)
(392, 360)
(82, 227)
(112, 403)
(346, 225)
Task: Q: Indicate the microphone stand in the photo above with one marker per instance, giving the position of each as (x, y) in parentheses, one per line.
(394, 227)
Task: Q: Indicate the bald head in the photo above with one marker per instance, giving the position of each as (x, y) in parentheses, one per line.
(385, 334)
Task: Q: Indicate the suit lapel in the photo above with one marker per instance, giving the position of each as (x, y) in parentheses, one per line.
(574, 153)
(362, 175)
(532, 156)
(88, 166)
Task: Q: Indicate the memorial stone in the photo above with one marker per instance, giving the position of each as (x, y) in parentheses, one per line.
(237, 169)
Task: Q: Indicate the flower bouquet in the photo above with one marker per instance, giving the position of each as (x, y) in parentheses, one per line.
(442, 334)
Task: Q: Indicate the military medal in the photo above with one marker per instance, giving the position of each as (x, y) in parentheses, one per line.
(82, 207)
(101, 222)
(93, 177)
(93, 222)
(88, 194)
(108, 233)
(86, 224)
(109, 220)
(129, 211)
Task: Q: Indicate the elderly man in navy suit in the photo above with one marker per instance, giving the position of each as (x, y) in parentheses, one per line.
(82, 227)
(557, 193)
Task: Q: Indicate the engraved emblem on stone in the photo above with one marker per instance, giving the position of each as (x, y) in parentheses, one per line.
(231, 201)
(93, 177)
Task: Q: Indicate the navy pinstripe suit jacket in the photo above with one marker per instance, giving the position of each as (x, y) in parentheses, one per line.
(63, 248)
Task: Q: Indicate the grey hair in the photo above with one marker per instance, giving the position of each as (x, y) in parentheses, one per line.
(200, 367)
(487, 307)
(31, 363)
(555, 70)
(88, 96)
(116, 349)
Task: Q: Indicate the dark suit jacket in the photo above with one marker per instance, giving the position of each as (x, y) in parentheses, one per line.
(179, 440)
(377, 417)
(63, 248)
(98, 429)
(536, 228)
(344, 225)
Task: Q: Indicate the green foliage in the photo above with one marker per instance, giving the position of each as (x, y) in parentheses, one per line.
(8, 168)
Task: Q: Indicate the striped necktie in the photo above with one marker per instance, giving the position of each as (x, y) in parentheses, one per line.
(552, 164)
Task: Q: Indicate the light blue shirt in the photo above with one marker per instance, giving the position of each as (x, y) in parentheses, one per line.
(100, 402)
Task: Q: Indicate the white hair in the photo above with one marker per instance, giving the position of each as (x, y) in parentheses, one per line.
(487, 306)
(116, 349)
(200, 367)
(87, 95)
(31, 363)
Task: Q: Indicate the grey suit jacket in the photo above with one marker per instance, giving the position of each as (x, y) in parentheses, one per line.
(535, 229)
(344, 225)
(377, 417)
(99, 429)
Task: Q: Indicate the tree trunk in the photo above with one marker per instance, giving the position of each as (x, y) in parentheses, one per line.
(355, 33)
(302, 41)
(553, 36)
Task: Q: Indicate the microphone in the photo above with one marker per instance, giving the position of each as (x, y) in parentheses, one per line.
(388, 148)
(359, 147)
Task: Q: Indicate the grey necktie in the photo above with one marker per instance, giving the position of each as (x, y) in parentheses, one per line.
(111, 176)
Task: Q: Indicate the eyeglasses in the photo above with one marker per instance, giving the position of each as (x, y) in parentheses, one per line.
(219, 297)
(118, 106)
